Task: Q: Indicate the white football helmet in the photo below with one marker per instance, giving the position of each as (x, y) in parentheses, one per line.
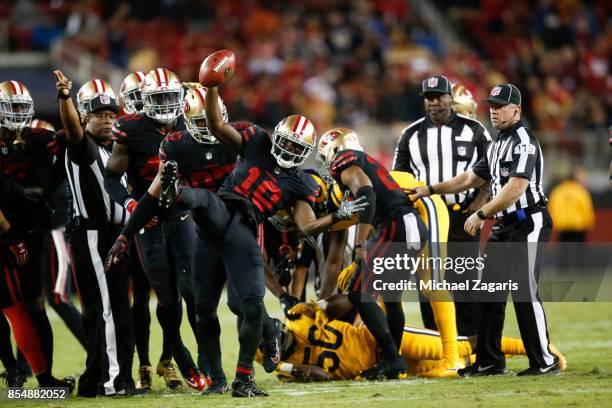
(162, 95)
(194, 109)
(293, 140)
(330, 143)
(16, 105)
(130, 98)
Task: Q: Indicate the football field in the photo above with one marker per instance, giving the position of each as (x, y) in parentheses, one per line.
(582, 331)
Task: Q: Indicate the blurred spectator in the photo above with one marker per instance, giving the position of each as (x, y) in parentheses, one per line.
(571, 207)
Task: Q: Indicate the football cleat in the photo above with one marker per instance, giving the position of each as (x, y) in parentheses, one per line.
(220, 387)
(14, 378)
(145, 374)
(196, 380)
(552, 369)
(560, 356)
(272, 348)
(130, 392)
(170, 185)
(476, 370)
(166, 369)
(445, 369)
(247, 389)
(66, 382)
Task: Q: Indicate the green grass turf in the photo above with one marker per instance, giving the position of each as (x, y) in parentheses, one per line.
(582, 331)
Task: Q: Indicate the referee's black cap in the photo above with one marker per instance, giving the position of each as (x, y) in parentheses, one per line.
(436, 84)
(504, 94)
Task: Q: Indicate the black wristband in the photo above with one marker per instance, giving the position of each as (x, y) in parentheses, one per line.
(481, 215)
(60, 95)
(431, 189)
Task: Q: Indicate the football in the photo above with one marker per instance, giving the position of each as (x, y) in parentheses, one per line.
(217, 68)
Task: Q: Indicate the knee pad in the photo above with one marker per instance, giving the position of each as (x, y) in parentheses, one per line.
(253, 307)
(205, 312)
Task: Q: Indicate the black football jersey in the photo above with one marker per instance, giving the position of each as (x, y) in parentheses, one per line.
(390, 199)
(141, 135)
(29, 166)
(258, 178)
(200, 165)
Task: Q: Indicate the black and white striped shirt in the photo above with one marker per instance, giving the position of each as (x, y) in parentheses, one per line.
(85, 164)
(434, 154)
(516, 153)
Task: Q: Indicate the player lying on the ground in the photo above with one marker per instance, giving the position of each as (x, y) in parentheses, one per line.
(315, 347)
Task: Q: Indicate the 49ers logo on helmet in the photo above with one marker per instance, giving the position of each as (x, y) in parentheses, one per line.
(432, 82)
(185, 105)
(495, 91)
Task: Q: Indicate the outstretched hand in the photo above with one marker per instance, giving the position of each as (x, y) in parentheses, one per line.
(348, 208)
(62, 84)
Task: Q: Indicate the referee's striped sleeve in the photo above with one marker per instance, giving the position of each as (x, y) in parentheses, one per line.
(481, 169)
(524, 156)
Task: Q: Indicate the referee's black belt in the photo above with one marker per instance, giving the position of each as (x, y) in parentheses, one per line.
(521, 214)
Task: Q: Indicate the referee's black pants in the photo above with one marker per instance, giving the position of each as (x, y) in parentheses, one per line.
(105, 316)
(513, 252)
(467, 311)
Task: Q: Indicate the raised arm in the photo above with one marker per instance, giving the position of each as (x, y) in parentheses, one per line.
(68, 113)
(223, 131)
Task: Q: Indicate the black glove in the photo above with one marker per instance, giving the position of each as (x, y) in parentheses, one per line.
(287, 302)
(119, 248)
(283, 270)
(18, 246)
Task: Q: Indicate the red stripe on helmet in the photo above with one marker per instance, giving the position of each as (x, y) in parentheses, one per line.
(140, 75)
(297, 123)
(201, 95)
(14, 85)
(156, 71)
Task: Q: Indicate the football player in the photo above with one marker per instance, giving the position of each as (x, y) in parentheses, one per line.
(316, 346)
(390, 217)
(166, 249)
(130, 102)
(26, 158)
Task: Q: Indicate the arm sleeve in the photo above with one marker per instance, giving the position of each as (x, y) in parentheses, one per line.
(401, 161)
(116, 190)
(144, 211)
(481, 169)
(248, 132)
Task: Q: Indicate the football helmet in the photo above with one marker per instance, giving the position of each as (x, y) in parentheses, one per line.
(16, 105)
(162, 95)
(130, 98)
(94, 95)
(292, 141)
(42, 124)
(330, 143)
(194, 109)
(463, 101)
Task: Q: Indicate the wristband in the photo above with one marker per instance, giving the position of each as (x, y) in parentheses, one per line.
(286, 368)
(481, 215)
(61, 95)
(431, 189)
(130, 204)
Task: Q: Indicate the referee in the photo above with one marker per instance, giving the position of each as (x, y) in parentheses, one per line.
(92, 231)
(436, 148)
(514, 166)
